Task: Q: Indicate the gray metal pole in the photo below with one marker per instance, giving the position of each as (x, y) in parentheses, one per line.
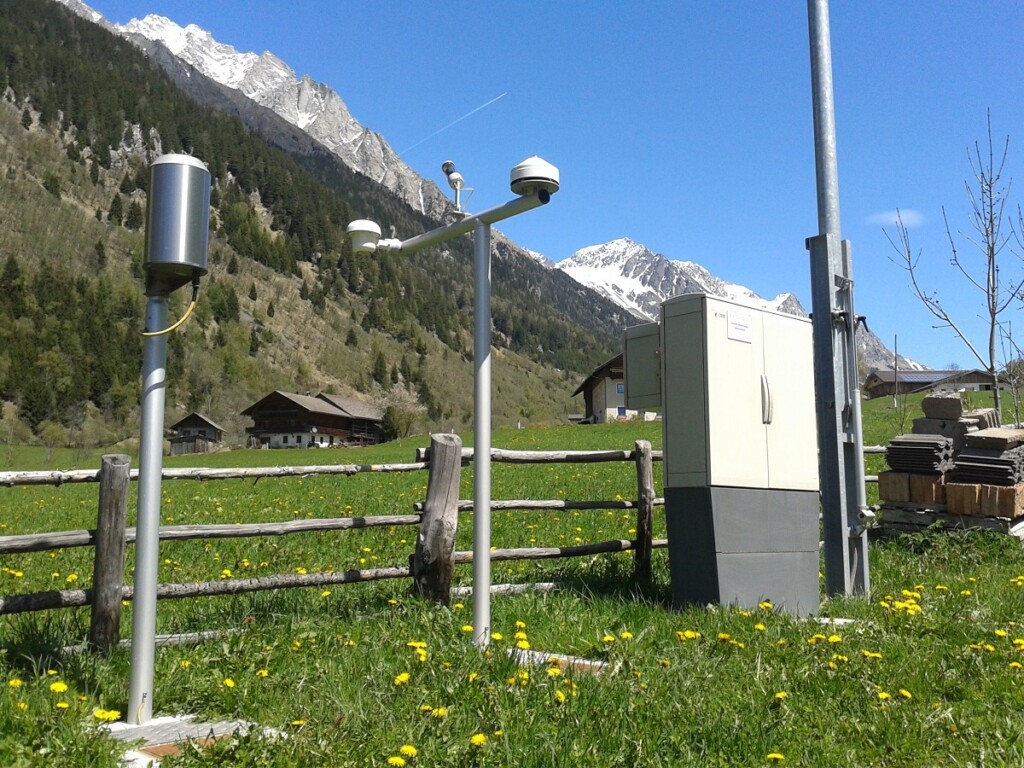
(147, 542)
(840, 442)
(482, 435)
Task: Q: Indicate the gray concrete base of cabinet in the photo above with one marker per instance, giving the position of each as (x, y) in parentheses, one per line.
(740, 546)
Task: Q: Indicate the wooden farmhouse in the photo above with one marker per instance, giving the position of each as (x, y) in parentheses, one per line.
(886, 381)
(604, 395)
(195, 434)
(287, 420)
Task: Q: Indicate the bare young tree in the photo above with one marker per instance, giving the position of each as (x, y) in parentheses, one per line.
(988, 196)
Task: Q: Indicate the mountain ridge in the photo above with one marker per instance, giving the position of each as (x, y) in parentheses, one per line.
(622, 271)
(638, 279)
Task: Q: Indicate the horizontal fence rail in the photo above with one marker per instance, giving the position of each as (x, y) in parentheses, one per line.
(430, 565)
(60, 477)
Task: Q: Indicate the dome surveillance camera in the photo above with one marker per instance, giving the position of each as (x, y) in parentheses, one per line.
(534, 175)
(365, 234)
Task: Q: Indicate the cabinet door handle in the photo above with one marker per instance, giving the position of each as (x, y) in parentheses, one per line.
(766, 401)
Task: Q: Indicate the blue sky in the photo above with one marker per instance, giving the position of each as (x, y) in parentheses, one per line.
(685, 126)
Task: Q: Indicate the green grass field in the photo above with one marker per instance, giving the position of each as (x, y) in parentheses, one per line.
(929, 671)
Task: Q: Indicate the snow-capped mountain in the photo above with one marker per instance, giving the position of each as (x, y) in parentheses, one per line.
(639, 280)
(314, 108)
(636, 278)
(265, 93)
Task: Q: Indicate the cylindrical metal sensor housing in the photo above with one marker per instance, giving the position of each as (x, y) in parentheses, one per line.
(177, 223)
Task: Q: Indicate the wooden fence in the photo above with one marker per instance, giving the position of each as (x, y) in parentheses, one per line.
(430, 565)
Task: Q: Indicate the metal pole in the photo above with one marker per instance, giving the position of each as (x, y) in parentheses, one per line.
(841, 456)
(482, 435)
(147, 542)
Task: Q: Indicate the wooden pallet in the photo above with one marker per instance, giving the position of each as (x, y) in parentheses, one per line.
(911, 518)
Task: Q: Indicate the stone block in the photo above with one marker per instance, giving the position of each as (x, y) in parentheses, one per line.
(947, 406)
(963, 498)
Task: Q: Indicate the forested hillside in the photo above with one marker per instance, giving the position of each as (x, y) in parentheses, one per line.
(287, 304)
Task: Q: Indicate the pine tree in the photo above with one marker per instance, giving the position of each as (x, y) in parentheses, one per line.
(116, 213)
(351, 340)
(252, 292)
(134, 218)
(26, 119)
(380, 369)
(270, 309)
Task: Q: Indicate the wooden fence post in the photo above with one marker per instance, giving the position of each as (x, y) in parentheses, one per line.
(432, 562)
(108, 563)
(644, 511)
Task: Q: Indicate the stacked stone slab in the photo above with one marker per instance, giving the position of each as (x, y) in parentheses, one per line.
(944, 415)
(920, 454)
(992, 457)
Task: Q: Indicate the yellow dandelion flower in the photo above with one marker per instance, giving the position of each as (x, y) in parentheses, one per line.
(22, 705)
(665, 663)
(396, 761)
(15, 682)
(765, 605)
(229, 683)
(439, 712)
(906, 694)
(608, 639)
(520, 635)
(759, 627)
(473, 676)
(724, 636)
(262, 672)
(1000, 633)
(781, 696)
(687, 634)
(62, 705)
(554, 671)
(467, 628)
(59, 687)
(298, 723)
(497, 637)
(835, 639)
(402, 678)
(478, 739)
(408, 750)
(941, 588)
(325, 593)
(520, 625)
(626, 635)
(107, 715)
(559, 697)
(71, 578)
(871, 654)
(523, 645)
(775, 757)
(883, 696)
(1016, 665)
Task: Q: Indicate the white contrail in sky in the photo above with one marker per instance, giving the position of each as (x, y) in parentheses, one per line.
(454, 122)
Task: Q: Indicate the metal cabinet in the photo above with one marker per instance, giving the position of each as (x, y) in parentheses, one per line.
(736, 389)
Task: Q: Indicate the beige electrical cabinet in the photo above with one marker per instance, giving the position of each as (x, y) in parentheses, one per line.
(736, 391)
(739, 408)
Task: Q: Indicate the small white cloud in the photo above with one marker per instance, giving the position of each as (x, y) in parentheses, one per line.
(911, 218)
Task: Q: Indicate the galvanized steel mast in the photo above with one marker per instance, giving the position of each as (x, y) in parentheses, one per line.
(840, 442)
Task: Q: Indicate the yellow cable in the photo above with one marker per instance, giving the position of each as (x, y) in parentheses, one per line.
(191, 306)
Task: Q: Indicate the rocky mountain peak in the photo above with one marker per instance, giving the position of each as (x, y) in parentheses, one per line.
(313, 107)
